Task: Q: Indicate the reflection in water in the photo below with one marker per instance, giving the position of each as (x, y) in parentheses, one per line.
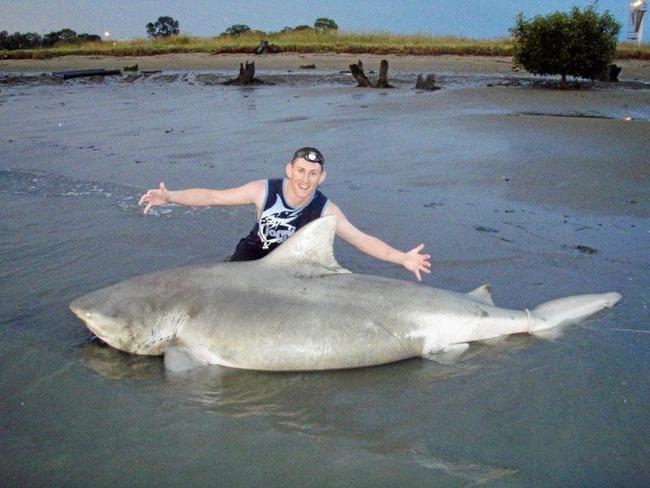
(116, 365)
(369, 407)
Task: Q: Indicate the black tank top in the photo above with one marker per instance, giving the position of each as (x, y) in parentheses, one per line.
(277, 222)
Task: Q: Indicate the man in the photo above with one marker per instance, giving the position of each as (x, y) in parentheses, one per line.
(285, 205)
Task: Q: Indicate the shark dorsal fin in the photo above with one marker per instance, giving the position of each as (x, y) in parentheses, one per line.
(482, 294)
(310, 251)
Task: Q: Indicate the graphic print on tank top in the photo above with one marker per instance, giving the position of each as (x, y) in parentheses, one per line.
(275, 223)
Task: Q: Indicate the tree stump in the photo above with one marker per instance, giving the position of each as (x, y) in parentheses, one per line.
(246, 76)
(610, 73)
(362, 79)
(428, 83)
(360, 75)
(383, 75)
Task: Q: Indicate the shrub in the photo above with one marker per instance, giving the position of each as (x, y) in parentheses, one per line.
(581, 43)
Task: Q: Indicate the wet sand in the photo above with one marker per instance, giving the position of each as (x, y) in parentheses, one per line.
(632, 69)
(580, 149)
(539, 192)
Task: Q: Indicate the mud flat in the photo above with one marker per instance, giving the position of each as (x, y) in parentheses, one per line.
(541, 193)
(632, 69)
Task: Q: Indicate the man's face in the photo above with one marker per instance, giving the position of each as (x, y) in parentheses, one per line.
(304, 177)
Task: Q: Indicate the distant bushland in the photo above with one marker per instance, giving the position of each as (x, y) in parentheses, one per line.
(32, 40)
(299, 41)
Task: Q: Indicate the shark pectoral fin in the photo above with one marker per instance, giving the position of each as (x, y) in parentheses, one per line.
(180, 358)
(448, 355)
(548, 334)
(482, 294)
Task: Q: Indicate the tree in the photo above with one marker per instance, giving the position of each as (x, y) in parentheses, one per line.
(236, 29)
(163, 27)
(323, 24)
(31, 40)
(581, 43)
(89, 38)
(64, 35)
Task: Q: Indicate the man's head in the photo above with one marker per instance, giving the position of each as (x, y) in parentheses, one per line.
(310, 154)
(306, 171)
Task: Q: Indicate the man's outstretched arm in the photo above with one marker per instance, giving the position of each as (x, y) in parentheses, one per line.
(412, 260)
(250, 193)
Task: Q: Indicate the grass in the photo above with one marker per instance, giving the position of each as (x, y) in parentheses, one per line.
(300, 42)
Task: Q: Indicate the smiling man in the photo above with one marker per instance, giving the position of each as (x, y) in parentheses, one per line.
(284, 206)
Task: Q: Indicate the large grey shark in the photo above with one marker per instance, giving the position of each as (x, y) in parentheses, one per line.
(297, 309)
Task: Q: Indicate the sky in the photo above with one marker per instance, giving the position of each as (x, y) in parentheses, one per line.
(127, 18)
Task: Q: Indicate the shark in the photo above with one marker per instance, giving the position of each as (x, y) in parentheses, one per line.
(298, 309)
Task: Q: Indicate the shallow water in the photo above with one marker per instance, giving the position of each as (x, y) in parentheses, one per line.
(454, 172)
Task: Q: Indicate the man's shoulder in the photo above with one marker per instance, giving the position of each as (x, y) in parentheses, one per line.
(331, 209)
(258, 185)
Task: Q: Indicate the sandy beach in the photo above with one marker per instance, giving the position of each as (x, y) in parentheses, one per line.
(482, 94)
(632, 69)
(541, 193)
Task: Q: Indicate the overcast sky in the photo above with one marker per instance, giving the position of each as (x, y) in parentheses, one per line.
(126, 19)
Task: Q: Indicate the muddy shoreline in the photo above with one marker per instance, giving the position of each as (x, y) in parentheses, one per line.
(633, 70)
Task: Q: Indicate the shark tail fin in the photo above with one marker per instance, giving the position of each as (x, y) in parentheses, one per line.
(570, 310)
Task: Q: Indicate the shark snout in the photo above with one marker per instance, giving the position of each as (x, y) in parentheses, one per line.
(612, 299)
(78, 310)
(83, 312)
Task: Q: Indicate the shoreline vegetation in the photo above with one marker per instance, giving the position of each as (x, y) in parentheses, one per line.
(303, 42)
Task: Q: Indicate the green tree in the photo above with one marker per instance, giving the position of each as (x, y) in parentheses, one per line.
(581, 43)
(29, 40)
(163, 27)
(89, 38)
(236, 29)
(323, 24)
(64, 35)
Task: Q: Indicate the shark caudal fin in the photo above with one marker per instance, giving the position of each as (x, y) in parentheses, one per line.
(570, 310)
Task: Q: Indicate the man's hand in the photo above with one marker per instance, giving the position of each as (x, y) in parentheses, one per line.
(154, 198)
(417, 263)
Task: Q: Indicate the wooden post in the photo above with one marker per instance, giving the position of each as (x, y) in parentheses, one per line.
(362, 79)
(246, 76)
(383, 75)
(428, 83)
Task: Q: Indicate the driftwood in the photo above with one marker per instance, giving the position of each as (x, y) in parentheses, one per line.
(66, 75)
(246, 76)
(307, 66)
(428, 83)
(131, 68)
(265, 48)
(363, 81)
